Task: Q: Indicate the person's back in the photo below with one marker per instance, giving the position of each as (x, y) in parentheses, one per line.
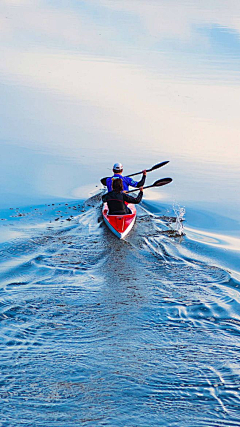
(116, 199)
(116, 205)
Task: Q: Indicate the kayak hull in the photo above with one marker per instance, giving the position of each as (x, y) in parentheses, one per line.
(120, 225)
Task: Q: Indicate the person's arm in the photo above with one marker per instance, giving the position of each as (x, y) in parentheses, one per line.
(130, 182)
(109, 184)
(131, 199)
(136, 184)
(142, 181)
(104, 197)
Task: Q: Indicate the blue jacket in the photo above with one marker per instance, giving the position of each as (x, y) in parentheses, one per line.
(126, 182)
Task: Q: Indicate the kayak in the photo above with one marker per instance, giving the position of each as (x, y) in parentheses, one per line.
(120, 225)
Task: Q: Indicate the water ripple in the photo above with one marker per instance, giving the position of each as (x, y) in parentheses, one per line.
(94, 329)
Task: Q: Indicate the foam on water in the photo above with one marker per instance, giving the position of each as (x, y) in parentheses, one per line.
(179, 212)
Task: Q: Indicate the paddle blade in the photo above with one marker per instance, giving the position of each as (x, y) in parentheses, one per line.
(161, 182)
(159, 165)
(104, 181)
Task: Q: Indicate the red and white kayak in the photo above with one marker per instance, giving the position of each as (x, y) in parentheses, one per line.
(120, 225)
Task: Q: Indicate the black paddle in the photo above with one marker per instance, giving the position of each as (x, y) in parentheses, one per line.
(157, 183)
(157, 166)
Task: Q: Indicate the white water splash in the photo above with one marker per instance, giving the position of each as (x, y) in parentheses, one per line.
(179, 212)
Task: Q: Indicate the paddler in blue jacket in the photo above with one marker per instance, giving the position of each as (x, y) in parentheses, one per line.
(127, 181)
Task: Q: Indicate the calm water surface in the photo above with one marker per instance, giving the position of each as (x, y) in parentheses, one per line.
(97, 331)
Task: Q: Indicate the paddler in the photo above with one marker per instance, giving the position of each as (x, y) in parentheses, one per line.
(116, 198)
(118, 170)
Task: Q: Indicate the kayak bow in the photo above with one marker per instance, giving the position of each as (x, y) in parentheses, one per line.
(120, 225)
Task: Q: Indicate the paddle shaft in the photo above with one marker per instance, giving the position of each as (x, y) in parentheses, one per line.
(158, 183)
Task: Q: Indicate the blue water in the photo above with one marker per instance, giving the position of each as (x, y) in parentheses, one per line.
(97, 331)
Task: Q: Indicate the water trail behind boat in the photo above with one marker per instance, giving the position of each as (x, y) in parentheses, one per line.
(89, 320)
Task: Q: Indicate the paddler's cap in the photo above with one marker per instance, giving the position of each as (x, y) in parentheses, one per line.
(118, 167)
